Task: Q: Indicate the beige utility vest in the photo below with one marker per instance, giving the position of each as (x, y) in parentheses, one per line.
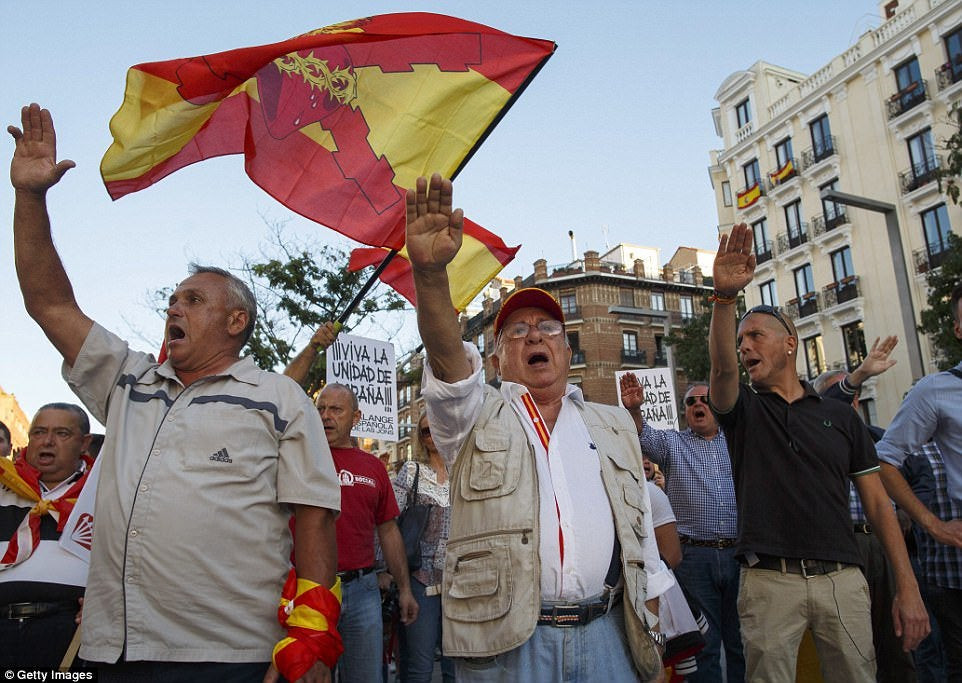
(492, 572)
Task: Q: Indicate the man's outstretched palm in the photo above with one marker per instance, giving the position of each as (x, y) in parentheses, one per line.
(735, 261)
(434, 231)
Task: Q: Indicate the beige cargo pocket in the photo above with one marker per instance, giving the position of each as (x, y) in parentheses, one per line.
(490, 472)
(478, 584)
(636, 509)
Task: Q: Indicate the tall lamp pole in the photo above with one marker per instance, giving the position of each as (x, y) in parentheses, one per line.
(901, 272)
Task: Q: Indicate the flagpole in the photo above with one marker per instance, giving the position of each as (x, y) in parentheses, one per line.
(342, 318)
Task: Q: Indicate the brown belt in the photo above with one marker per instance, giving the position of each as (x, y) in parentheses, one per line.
(792, 565)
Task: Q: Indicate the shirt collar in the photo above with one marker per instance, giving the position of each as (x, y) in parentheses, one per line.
(243, 370)
(512, 390)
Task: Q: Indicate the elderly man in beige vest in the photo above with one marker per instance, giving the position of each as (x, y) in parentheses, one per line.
(550, 524)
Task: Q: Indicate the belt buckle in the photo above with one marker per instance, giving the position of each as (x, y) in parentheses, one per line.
(805, 564)
(570, 620)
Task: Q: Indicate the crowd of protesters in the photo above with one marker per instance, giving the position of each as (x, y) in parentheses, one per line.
(241, 535)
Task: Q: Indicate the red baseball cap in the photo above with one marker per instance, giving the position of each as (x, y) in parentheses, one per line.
(529, 297)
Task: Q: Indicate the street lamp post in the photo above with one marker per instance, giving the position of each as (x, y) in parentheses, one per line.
(901, 272)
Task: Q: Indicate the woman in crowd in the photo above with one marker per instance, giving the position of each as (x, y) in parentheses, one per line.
(420, 640)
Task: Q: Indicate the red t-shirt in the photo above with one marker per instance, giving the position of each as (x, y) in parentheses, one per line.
(367, 500)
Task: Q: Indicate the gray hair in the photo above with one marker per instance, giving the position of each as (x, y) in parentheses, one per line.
(239, 295)
(82, 420)
(355, 406)
(824, 381)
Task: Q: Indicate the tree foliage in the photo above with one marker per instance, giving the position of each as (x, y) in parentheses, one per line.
(937, 319)
(948, 174)
(689, 346)
(298, 285)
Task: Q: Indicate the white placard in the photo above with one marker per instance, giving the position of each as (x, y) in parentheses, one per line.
(367, 366)
(660, 408)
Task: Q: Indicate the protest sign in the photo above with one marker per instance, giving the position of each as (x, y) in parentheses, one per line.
(367, 366)
(660, 406)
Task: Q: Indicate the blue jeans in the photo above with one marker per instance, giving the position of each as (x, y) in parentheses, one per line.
(420, 639)
(710, 575)
(595, 652)
(361, 630)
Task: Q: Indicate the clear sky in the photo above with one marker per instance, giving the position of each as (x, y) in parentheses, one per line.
(611, 138)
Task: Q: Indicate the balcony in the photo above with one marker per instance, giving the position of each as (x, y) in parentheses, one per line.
(949, 73)
(661, 359)
(807, 305)
(764, 252)
(819, 152)
(577, 357)
(913, 95)
(822, 223)
(926, 260)
(842, 291)
(634, 357)
(788, 171)
(793, 238)
(749, 194)
(571, 312)
(922, 173)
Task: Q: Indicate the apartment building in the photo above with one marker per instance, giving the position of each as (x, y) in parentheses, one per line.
(869, 123)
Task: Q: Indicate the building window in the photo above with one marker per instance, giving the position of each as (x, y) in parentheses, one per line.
(752, 173)
(804, 282)
(658, 301)
(577, 355)
(783, 152)
(853, 335)
(831, 210)
(911, 89)
(797, 229)
(763, 246)
(660, 358)
(922, 158)
(953, 52)
(814, 355)
(626, 297)
(842, 264)
(569, 305)
(822, 146)
(687, 307)
(743, 114)
(629, 341)
(935, 223)
(726, 193)
(481, 343)
(768, 293)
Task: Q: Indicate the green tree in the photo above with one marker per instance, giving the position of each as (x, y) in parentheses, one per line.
(948, 174)
(937, 319)
(298, 285)
(689, 345)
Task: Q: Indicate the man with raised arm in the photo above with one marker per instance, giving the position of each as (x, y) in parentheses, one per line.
(793, 454)
(698, 475)
(204, 458)
(551, 524)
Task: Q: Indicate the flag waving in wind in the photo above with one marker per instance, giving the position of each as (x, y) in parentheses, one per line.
(334, 124)
(482, 256)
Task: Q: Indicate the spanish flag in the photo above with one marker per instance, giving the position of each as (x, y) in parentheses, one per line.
(482, 256)
(784, 173)
(749, 196)
(335, 123)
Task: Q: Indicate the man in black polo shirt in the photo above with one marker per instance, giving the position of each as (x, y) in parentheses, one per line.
(793, 455)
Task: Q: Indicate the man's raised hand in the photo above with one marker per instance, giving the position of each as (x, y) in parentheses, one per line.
(434, 231)
(734, 262)
(34, 167)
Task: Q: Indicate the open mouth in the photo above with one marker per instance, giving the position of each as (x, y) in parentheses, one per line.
(749, 363)
(175, 333)
(699, 414)
(537, 358)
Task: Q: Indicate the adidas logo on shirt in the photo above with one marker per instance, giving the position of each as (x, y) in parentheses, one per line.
(221, 456)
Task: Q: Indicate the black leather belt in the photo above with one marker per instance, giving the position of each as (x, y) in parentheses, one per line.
(348, 576)
(714, 543)
(862, 528)
(567, 615)
(31, 610)
(791, 565)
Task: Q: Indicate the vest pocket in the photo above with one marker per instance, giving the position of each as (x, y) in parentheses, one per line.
(636, 509)
(490, 472)
(477, 578)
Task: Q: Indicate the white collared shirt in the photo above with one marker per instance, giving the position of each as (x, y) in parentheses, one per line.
(569, 472)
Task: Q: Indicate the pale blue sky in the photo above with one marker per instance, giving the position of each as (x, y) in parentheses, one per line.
(614, 132)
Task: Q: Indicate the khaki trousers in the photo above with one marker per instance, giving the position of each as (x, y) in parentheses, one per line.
(775, 608)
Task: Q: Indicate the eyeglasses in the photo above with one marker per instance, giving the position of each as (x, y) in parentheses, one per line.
(773, 311)
(518, 330)
(692, 400)
(425, 431)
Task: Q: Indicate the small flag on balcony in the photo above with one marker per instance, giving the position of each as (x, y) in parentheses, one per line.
(749, 196)
(784, 173)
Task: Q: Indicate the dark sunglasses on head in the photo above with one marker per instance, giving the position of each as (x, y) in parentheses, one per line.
(425, 431)
(773, 311)
(692, 400)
